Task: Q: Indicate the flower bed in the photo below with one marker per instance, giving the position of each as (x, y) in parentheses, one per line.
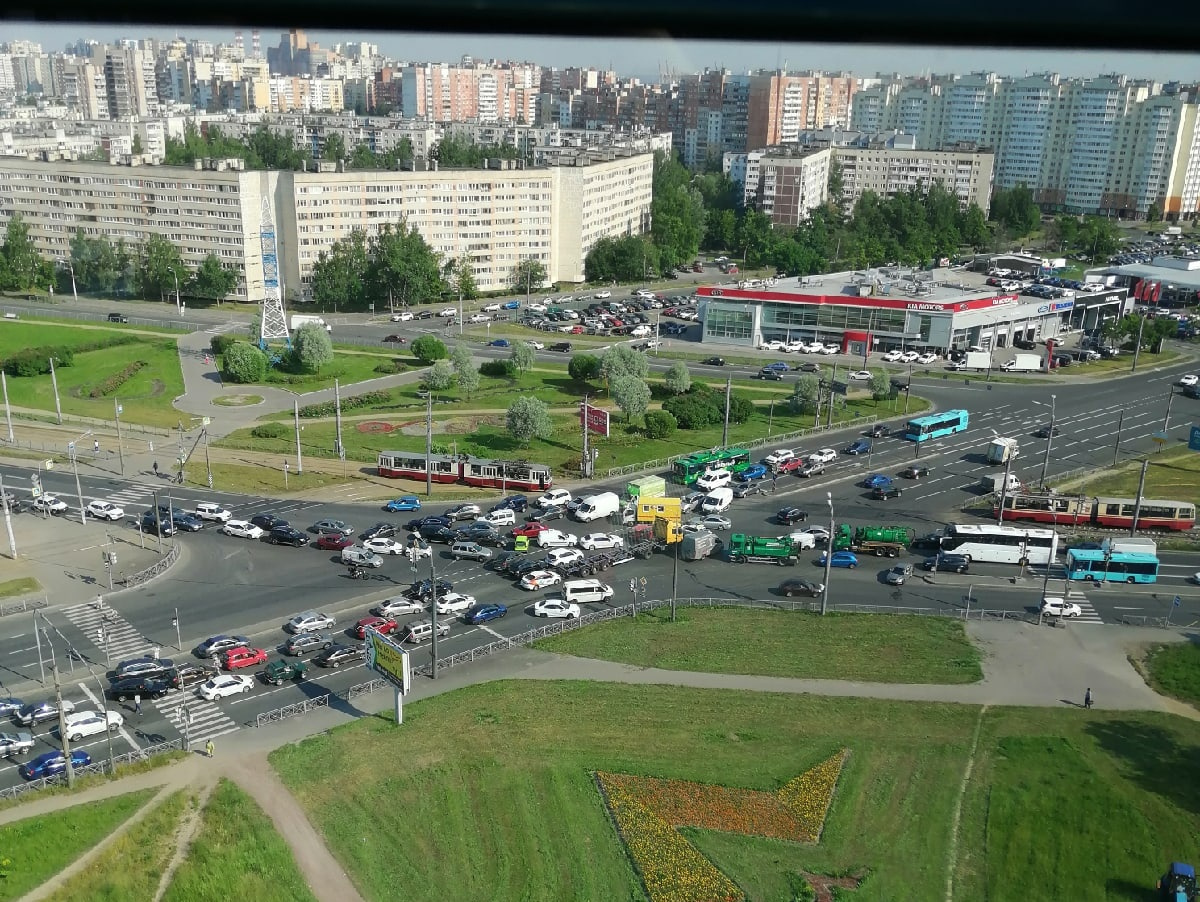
(116, 380)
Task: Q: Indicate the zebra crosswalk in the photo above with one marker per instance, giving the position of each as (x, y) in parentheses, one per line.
(108, 630)
(195, 717)
(1087, 613)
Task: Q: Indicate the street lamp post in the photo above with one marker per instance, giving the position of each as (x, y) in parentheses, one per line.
(177, 300)
(71, 267)
(1049, 436)
(71, 447)
(117, 409)
(828, 556)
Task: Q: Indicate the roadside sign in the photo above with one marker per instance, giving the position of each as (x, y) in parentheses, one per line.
(1176, 602)
(1194, 439)
(1161, 437)
(389, 660)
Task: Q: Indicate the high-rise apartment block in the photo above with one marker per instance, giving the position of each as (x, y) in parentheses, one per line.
(489, 93)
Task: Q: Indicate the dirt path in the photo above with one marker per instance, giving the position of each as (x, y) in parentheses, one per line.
(185, 832)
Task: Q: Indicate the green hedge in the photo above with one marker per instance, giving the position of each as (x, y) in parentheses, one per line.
(354, 402)
(269, 430)
(116, 380)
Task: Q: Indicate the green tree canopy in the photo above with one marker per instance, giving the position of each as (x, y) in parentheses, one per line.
(339, 277)
(677, 378)
(584, 367)
(312, 347)
(439, 376)
(244, 363)
(527, 276)
(427, 349)
(529, 418)
(622, 360)
(212, 280)
(402, 266)
(523, 356)
(631, 393)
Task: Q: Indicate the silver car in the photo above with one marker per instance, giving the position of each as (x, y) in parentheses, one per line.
(356, 554)
(309, 622)
(393, 607)
(899, 574)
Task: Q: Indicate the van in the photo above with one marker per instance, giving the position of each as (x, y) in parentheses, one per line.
(578, 591)
(716, 501)
(593, 507)
(422, 630)
(562, 346)
(714, 479)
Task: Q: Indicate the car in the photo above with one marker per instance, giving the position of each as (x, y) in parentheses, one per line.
(379, 530)
(540, 579)
(333, 542)
(499, 517)
(287, 535)
(554, 497)
(403, 503)
(714, 522)
(556, 538)
(51, 504)
(186, 522)
(243, 529)
(752, 472)
(551, 512)
(384, 545)
(404, 316)
(397, 605)
(858, 446)
(335, 527)
(769, 375)
(823, 456)
(910, 357)
(958, 563)
(118, 318)
(432, 520)
(130, 687)
(448, 312)
(746, 489)
(216, 645)
(846, 559)
(341, 654)
(597, 541)
(799, 586)
(308, 622)
(713, 361)
(563, 557)
(104, 510)
(394, 340)
(490, 308)
(34, 713)
(1047, 432)
(820, 534)
(442, 534)
(915, 472)
(1189, 380)
(464, 512)
(267, 522)
(361, 557)
(498, 343)
(879, 430)
(476, 318)
(877, 480)
(536, 345)
(483, 532)
(385, 625)
(210, 510)
(556, 607)
(423, 314)
(423, 590)
(893, 356)
(147, 666)
(810, 468)
(860, 376)
(529, 530)
(931, 540)
(12, 744)
(193, 674)
(303, 643)
(10, 706)
(514, 503)
(454, 603)
(224, 685)
(278, 672)
(790, 515)
(690, 502)
(1059, 607)
(926, 359)
(898, 575)
(50, 764)
(240, 658)
(884, 492)
(471, 551)
(79, 724)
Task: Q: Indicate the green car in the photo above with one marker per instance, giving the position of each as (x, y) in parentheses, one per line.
(278, 671)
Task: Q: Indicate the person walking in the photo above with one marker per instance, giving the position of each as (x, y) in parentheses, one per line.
(96, 447)
(1087, 698)
(137, 705)
(209, 748)
(157, 652)
(155, 467)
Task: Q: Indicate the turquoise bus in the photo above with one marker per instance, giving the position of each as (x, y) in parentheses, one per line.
(688, 469)
(922, 429)
(1120, 567)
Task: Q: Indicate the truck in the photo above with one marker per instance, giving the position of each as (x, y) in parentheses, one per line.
(647, 538)
(1002, 450)
(761, 550)
(996, 484)
(647, 487)
(1136, 544)
(1024, 363)
(881, 541)
(305, 319)
(593, 507)
(978, 360)
(698, 545)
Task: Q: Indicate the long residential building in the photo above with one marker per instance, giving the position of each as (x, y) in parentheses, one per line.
(497, 217)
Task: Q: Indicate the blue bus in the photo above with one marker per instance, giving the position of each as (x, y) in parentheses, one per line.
(922, 429)
(1119, 567)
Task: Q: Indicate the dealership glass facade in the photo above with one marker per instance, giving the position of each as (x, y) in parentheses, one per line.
(736, 323)
(830, 316)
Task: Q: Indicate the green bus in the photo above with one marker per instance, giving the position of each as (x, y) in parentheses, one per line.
(688, 469)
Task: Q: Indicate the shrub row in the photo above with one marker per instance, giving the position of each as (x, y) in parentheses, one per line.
(36, 361)
(354, 402)
(116, 380)
(499, 369)
(269, 430)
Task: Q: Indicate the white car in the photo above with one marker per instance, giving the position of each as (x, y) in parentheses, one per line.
(503, 517)
(598, 540)
(210, 510)
(564, 557)
(602, 295)
(454, 603)
(819, 533)
(910, 357)
(829, 349)
(225, 684)
(1189, 380)
(51, 503)
(803, 539)
(536, 308)
(243, 529)
(309, 622)
(782, 455)
(860, 376)
(536, 345)
(540, 579)
(363, 557)
(556, 538)
(393, 607)
(419, 548)
(772, 346)
(713, 522)
(823, 456)
(404, 317)
(104, 510)
(693, 527)
(448, 311)
(1058, 607)
(554, 496)
(89, 723)
(384, 545)
(479, 318)
(491, 308)
(893, 356)
(926, 359)
(555, 607)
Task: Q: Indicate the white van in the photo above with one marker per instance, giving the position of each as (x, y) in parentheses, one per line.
(716, 501)
(593, 507)
(578, 591)
(714, 479)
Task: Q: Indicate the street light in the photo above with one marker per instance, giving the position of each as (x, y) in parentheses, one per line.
(70, 266)
(828, 556)
(75, 466)
(1049, 435)
(177, 301)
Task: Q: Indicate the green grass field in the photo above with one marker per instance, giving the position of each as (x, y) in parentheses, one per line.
(883, 648)
(23, 586)
(497, 778)
(237, 846)
(1172, 474)
(35, 849)
(1174, 670)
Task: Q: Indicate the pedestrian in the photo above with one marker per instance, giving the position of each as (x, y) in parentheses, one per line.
(137, 705)
(96, 446)
(157, 651)
(1087, 698)
(209, 748)
(156, 468)
(774, 480)
(179, 478)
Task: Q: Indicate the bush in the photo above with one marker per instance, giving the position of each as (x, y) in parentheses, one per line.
(391, 368)
(354, 402)
(222, 343)
(116, 380)
(269, 430)
(243, 363)
(499, 369)
(740, 409)
(660, 424)
(427, 349)
(36, 361)
(695, 410)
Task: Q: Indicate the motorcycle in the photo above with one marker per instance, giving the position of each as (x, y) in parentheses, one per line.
(357, 572)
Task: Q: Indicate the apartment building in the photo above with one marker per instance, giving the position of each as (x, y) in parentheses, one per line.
(781, 105)
(489, 93)
(497, 217)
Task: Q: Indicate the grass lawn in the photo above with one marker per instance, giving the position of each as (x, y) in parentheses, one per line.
(145, 397)
(884, 649)
(13, 587)
(500, 775)
(1173, 475)
(237, 846)
(1174, 670)
(35, 849)
(348, 367)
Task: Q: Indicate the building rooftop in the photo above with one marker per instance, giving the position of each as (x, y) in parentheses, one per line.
(1167, 270)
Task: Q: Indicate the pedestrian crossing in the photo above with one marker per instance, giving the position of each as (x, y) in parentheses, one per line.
(194, 717)
(108, 631)
(1087, 610)
(136, 498)
(222, 328)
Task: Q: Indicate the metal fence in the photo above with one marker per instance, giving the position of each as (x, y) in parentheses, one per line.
(59, 310)
(366, 688)
(158, 567)
(25, 604)
(84, 422)
(100, 766)
(278, 714)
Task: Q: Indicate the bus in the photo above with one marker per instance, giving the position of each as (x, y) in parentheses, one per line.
(1001, 544)
(688, 469)
(922, 429)
(1114, 513)
(1118, 567)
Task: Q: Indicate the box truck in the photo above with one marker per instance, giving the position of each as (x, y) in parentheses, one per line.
(594, 507)
(1136, 544)
(305, 319)
(1024, 363)
(995, 483)
(647, 487)
(978, 360)
(1002, 450)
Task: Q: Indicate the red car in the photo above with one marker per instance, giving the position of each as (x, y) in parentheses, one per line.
(789, 465)
(237, 658)
(335, 542)
(383, 624)
(530, 529)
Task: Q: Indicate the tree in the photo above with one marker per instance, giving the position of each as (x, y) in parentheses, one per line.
(438, 377)
(1015, 210)
(529, 418)
(212, 280)
(464, 369)
(622, 360)
(973, 227)
(427, 349)
(20, 264)
(335, 147)
(660, 424)
(244, 363)
(804, 395)
(312, 347)
(522, 356)
(527, 276)
(632, 395)
(741, 408)
(583, 367)
(461, 278)
(159, 268)
(698, 409)
(624, 259)
(677, 379)
(880, 385)
(468, 382)
(677, 212)
(340, 274)
(403, 267)
(1155, 212)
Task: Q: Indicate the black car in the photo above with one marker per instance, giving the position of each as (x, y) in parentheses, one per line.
(879, 430)
(526, 566)
(118, 318)
(483, 536)
(268, 521)
(145, 666)
(380, 531)
(884, 492)
(338, 655)
(790, 587)
(1046, 432)
(501, 561)
(431, 520)
(562, 346)
(769, 375)
(789, 515)
(915, 472)
(436, 533)
(515, 503)
(463, 512)
(931, 540)
(713, 361)
(807, 367)
(215, 645)
(287, 535)
(193, 675)
(152, 524)
(39, 712)
(423, 590)
(954, 562)
(126, 688)
(549, 512)
(423, 314)
(302, 643)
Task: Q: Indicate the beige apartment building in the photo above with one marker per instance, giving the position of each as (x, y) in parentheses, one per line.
(497, 217)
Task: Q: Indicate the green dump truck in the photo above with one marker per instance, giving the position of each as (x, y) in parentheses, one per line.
(881, 541)
(761, 550)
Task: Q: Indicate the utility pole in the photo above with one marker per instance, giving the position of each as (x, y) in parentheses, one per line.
(1049, 439)
(54, 383)
(120, 446)
(178, 637)
(1003, 488)
(1137, 502)
(207, 462)
(7, 410)
(12, 541)
(1167, 417)
(429, 453)
(675, 576)
(586, 460)
(157, 520)
(337, 418)
(908, 390)
(182, 457)
(728, 396)
(299, 457)
(832, 379)
(433, 649)
(1137, 347)
(62, 727)
(1117, 446)
(78, 488)
(828, 557)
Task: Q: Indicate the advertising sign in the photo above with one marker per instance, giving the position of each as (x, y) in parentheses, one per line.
(389, 660)
(1194, 439)
(596, 419)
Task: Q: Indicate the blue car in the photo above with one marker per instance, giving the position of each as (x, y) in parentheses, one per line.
(861, 446)
(779, 366)
(878, 481)
(51, 763)
(482, 613)
(512, 305)
(515, 503)
(404, 503)
(498, 343)
(752, 472)
(840, 559)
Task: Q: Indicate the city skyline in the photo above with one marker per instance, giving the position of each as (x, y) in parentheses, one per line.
(646, 58)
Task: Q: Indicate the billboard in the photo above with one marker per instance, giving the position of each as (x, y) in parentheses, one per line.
(595, 418)
(389, 659)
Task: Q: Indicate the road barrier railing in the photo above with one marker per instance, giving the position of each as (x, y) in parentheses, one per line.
(98, 766)
(295, 710)
(24, 605)
(158, 567)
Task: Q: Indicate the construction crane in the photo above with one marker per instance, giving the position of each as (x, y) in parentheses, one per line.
(274, 323)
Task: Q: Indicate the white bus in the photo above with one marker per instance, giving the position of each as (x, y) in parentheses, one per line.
(1001, 544)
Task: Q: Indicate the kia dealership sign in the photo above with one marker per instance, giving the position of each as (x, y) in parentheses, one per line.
(595, 418)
